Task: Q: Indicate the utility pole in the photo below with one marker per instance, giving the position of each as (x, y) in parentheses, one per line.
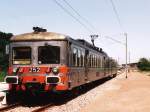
(129, 63)
(126, 49)
(129, 57)
(118, 60)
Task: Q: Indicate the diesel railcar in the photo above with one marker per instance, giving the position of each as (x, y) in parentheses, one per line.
(47, 61)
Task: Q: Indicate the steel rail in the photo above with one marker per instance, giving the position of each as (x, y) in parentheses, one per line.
(12, 106)
(41, 109)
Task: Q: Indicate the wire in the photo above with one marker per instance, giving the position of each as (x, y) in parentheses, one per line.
(117, 15)
(79, 15)
(62, 7)
(117, 41)
(69, 13)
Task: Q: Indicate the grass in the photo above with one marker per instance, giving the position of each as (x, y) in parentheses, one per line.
(2, 76)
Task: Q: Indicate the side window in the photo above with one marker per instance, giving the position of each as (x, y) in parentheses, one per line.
(90, 60)
(107, 63)
(82, 58)
(79, 58)
(74, 57)
(102, 62)
(96, 61)
(93, 61)
(99, 61)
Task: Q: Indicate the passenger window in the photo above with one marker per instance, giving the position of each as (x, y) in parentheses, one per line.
(96, 61)
(82, 58)
(99, 61)
(74, 57)
(104, 61)
(93, 61)
(79, 58)
(90, 60)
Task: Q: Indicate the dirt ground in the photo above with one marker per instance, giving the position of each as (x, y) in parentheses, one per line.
(132, 95)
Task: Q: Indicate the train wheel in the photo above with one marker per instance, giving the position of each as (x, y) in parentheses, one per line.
(11, 97)
(75, 91)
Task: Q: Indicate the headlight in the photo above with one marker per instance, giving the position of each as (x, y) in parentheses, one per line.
(11, 79)
(55, 70)
(14, 69)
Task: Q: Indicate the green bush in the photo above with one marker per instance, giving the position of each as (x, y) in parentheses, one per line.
(2, 76)
(4, 40)
(144, 64)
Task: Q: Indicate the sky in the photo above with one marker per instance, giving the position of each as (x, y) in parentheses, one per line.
(19, 16)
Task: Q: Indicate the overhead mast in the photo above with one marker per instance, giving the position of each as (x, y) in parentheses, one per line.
(93, 37)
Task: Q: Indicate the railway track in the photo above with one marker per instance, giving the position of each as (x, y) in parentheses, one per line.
(42, 105)
(67, 98)
(41, 109)
(11, 106)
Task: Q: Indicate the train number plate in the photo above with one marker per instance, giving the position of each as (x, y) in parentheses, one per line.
(34, 69)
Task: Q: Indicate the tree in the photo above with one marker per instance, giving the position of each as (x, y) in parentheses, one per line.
(4, 40)
(144, 64)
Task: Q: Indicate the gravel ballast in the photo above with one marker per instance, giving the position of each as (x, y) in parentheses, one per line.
(79, 102)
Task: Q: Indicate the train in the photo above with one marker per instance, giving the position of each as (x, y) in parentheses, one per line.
(46, 61)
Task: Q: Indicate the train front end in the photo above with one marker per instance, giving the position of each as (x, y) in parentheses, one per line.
(38, 63)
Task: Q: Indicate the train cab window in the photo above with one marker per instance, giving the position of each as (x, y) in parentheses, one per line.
(75, 57)
(21, 55)
(49, 54)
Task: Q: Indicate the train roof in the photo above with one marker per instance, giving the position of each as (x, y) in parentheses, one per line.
(89, 45)
(38, 36)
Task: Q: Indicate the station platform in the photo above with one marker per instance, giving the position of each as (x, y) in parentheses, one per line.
(3, 87)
